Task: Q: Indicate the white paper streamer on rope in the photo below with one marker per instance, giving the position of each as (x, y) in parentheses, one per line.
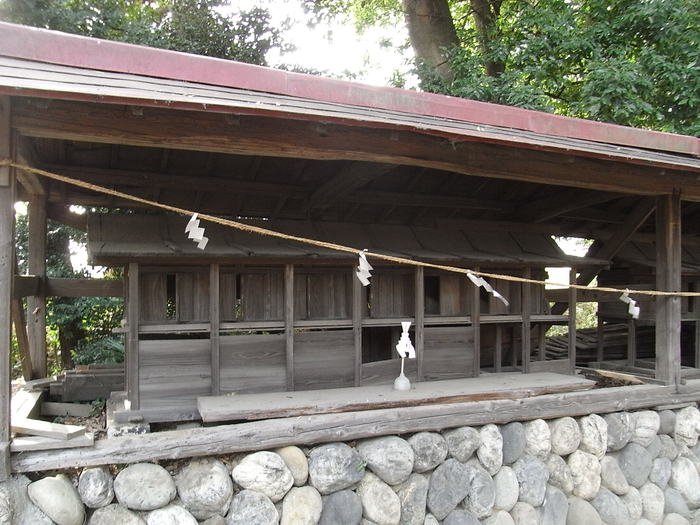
(404, 347)
(633, 309)
(363, 270)
(195, 232)
(481, 282)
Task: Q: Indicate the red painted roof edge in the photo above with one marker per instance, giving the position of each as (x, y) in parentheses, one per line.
(72, 50)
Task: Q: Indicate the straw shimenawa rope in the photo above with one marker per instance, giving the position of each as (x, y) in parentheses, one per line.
(328, 245)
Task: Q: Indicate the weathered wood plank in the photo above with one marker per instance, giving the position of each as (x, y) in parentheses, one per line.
(525, 339)
(384, 372)
(24, 403)
(36, 427)
(358, 301)
(289, 323)
(253, 363)
(214, 321)
(132, 346)
(324, 359)
(22, 339)
(36, 304)
(49, 408)
(32, 443)
(476, 324)
(419, 328)
(503, 386)
(573, 296)
(449, 352)
(25, 285)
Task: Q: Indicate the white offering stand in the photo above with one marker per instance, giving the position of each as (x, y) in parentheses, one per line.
(405, 349)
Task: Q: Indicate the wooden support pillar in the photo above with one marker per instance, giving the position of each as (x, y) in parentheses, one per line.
(476, 325)
(526, 328)
(22, 339)
(36, 304)
(668, 278)
(420, 320)
(7, 260)
(631, 342)
(572, 322)
(214, 322)
(132, 347)
(600, 343)
(498, 354)
(289, 322)
(358, 300)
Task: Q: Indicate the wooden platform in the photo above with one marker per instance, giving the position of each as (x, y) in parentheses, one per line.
(303, 403)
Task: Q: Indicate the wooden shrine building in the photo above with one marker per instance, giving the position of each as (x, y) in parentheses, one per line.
(421, 176)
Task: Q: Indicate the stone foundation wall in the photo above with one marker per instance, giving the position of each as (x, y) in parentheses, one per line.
(636, 468)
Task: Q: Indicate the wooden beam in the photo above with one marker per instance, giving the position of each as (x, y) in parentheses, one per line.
(427, 200)
(36, 304)
(63, 215)
(561, 202)
(358, 305)
(60, 287)
(323, 428)
(267, 136)
(572, 322)
(25, 285)
(353, 176)
(132, 347)
(26, 154)
(214, 321)
(419, 328)
(668, 278)
(289, 322)
(7, 270)
(22, 339)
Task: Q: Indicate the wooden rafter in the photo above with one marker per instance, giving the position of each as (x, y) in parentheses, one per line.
(353, 176)
(561, 202)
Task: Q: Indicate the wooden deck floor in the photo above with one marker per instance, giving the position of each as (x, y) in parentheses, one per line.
(309, 402)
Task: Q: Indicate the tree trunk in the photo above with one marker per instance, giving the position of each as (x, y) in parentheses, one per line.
(486, 13)
(432, 32)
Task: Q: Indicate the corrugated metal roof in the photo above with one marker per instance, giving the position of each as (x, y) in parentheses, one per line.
(89, 53)
(36, 78)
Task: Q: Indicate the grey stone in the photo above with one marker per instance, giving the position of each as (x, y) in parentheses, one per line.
(560, 474)
(633, 502)
(490, 452)
(652, 502)
(669, 449)
(215, 520)
(430, 520)
(507, 489)
(513, 435)
(380, 504)
(524, 514)
(334, 467)
(646, 426)
(594, 435)
(674, 502)
(620, 429)
(115, 514)
(500, 517)
(684, 478)
(18, 508)
(58, 499)
(95, 487)
(205, 487)
(264, 472)
(341, 508)
(296, 462)
(687, 426)
(250, 507)
(449, 484)
(611, 476)
(660, 473)
(461, 517)
(667, 422)
(390, 458)
(301, 506)
(429, 450)
(532, 477)
(538, 438)
(582, 512)
(144, 486)
(611, 508)
(585, 472)
(555, 507)
(481, 495)
(7, 511)
(413, 495)
(170, 515)
(566, 435)
(462, 442)
(675, 519)
(654, 448)
(635, 462)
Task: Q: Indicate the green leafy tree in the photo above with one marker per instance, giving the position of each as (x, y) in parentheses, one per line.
(631, 62)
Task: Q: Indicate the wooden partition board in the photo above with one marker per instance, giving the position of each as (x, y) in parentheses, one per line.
(448, 353)
(324, 359)
(559, 366)
(173, 370)
(253, 363)
(384, 372)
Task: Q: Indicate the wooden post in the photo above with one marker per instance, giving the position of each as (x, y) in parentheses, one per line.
(498, 356)
(541, 342)
(22, 339)
(7, 259)
(526, 306)
(668, 278)
(420, 320)
(289, 322)
(358, 301)
(572, 321)
(36, 304)
(476, 325)
(600, 343)
(132, 347)
(214, 321)
(631, 342)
